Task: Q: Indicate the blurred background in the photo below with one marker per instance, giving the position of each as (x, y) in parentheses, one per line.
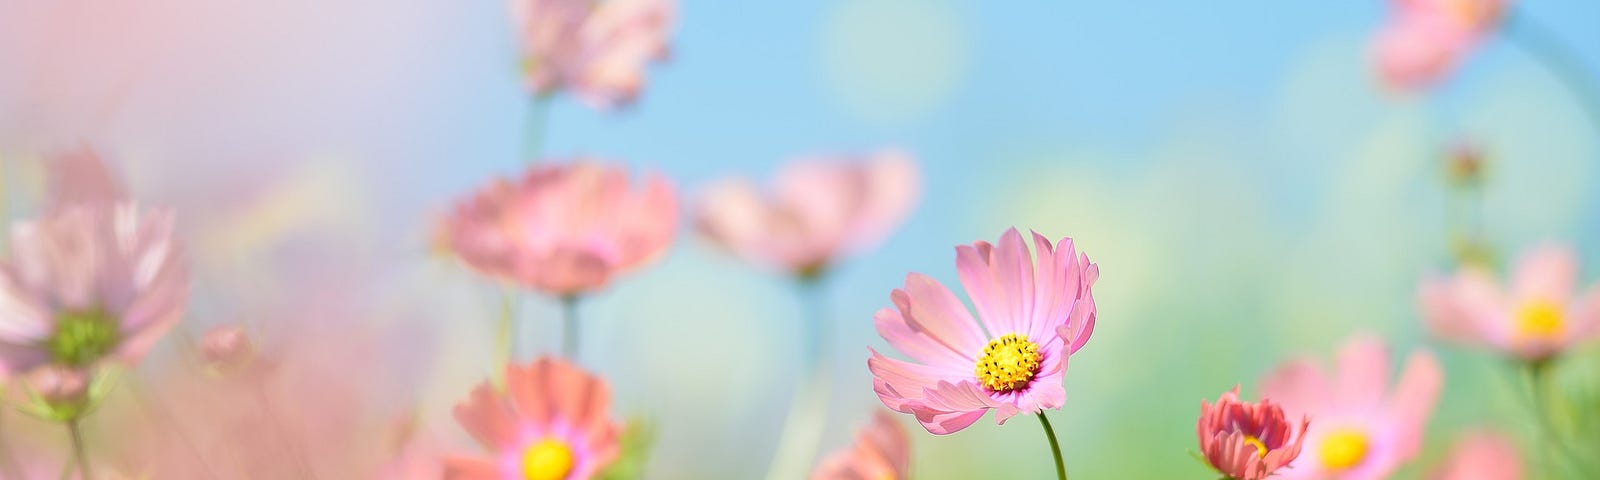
(1249, 190)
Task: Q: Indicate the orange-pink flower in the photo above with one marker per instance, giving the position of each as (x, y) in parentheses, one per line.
(1481, 455)
(881, 452)
(1247, 441)
(1538, 315)
(597, 49)
(1426, 39)
(552, 422)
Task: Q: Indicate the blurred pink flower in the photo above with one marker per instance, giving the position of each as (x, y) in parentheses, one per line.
(819, 210)
(80, 177)
(599, 50)
(1362, 431)
(226, 348)
(1537, 317)
(1425, 40)
(1247, 441)
(1481, 455)
(1032, 317)
(551, 423)
(564, 229)
(881, 452)
(58, 384)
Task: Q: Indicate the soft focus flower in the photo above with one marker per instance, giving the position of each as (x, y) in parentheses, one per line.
(59, 385)
(819, 209)
(1362, 430)
(1481, 455)
(1033, 315)
(551, 423)
(564, 229)
(1465, 165)
(80, 177)
(1536, 317)
(881, 452)
(226, 348)
(597, 49)
(1425, 40)
(1247, 441)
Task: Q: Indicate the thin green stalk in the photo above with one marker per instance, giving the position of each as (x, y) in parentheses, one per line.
(538, 122)
(506, 332)
(1556, 55)
(569, 331)
(1055, 448)
(808, 411)
(75, 430)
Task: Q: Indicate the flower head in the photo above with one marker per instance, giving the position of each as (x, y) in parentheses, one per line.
(1247, 441)
(551, 423)
(1011, 358)
(563, 229)
(1426, 39)
(599, 50)
(1537, 316)
(1481, 455)
(881, 452)
(819, 210)
(1362, 430)
(226, 348)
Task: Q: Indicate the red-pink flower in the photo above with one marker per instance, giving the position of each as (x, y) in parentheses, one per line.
(1426, 39)
(1481, 455)
(1363, 430)
(552, 422)
(1011, 359)
(1537, 316)
(881, 452)
(818, 210)
(1247, 441)
(564, 229)
(598, 50)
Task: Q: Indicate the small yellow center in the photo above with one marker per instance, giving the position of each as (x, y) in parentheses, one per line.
(1261, 448)
(1343, 449)
(547, 459)
(1008, 363)
(1540, 319)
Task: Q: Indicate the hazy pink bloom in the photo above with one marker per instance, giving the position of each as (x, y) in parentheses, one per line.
(818, 210)
(1538, 315)
(1247, 441)
(881, 452)
(1010, 359)
(226, 347)
(1363, 430)
(1481, 455)
(81, 177)
(599, 50)
(564, 229)
(552, 422)
(1425, 40)
(57, 384)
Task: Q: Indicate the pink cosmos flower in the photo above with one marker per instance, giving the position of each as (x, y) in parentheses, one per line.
(597, 49)
(1362, 431)
(1247, 441)
(881, 452)
(551, 423)
(564, 229)
(1011, 359)
(1481, 455)
(1537, 317)
(819, 210)
(1426, 39)
(81, 177)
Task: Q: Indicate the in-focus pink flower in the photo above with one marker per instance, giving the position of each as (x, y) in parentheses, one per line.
(881, 452)
(551, 423)
(819, 209)
(1481, 455)
(564, 229)
(1536, 317)
(1248, 441)
(598, 50)
(1425, 40)
(1011, 359)
(1362, 430)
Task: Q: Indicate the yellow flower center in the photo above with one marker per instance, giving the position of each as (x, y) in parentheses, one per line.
(1008, 363)
(547, 459)
(1261, 448)
(1540, 319)
(1343, 449)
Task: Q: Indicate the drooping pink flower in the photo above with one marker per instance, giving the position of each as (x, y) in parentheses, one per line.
(598, 50)
(1011, 359)
(881, 452)
(819, 210)
(1363, 430)
(1248, 441)
(564, 229)
(1536, 317)
(1425, 40)
(1481, 455)
(551, 423)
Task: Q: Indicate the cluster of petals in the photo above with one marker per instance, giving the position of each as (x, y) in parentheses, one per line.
(1481, 455)
(552, 421)
(1539, 314)
(881, 451)
(598, 49)
(1248, 441)
(1425, 40)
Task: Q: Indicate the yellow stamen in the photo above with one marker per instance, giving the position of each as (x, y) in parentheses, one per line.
(1540, 319)
(1261, 448)
(1343, 449)
(547, 459)
(1008, 363)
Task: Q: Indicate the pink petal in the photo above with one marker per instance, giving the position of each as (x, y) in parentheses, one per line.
(1299, 386)
(977, 277)
(487, 417)
(1363, 372)
(1414, 398)
(1548, 273)
(464, 468)
(1013, 271)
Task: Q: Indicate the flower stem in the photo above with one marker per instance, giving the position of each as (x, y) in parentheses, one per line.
(506, 333)
(1555, 54)
(75, 431)
(808, 411)
(1055, 448)
(569, 331)
(538, 122)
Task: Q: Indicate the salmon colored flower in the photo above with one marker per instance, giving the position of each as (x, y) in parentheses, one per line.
(551, 423)
(818, 210)
(564, 229)
(1426, 39)
(1362, 430)
(1011, 359)
(1481, 455)
(881, 452)
(1248, 441)
(597, 49)
(1537, 316)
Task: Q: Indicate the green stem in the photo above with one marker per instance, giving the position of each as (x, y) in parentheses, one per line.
(1549, 50)
(506, 333)
(538, 122)
(75, 431)
(569, 331)
(1055, 448)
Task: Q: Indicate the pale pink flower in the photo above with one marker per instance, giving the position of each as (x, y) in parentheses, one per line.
(881, 452)
(80, 177)
(1247, 441)
(1362, 429)
(598, 50)
(819, 209)
(58, 384)
(564, 229)
(1425, 40)
(1011, 359)
(552, 422)
(1537, 316)
(1481, 455)
(225, 348)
